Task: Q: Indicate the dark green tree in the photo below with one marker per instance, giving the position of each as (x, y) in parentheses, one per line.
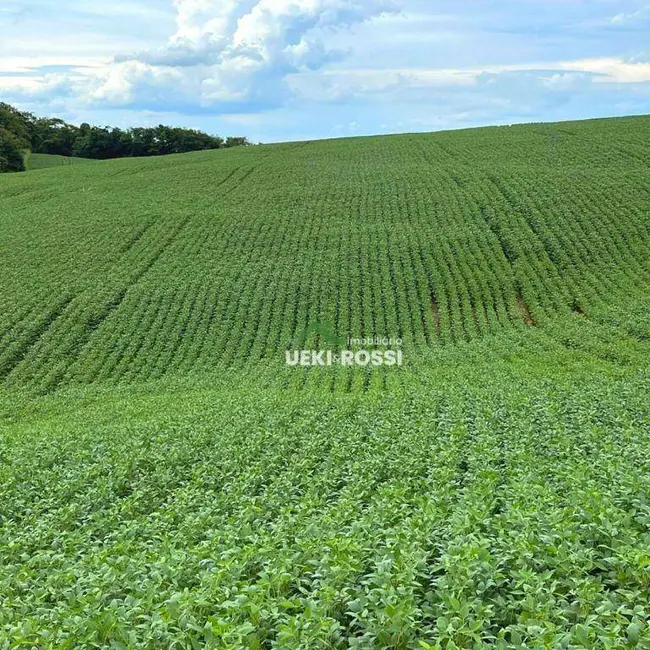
(24, 132)
(11, 152)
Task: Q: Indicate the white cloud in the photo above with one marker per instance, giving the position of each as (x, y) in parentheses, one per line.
(242, 79)
(197, 19)
(281, 60)
(233, 51)
(611, 70)
(562, 81)
(340, 85)
(633, 17)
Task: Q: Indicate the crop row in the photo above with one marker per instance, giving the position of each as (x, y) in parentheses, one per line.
(421, 238)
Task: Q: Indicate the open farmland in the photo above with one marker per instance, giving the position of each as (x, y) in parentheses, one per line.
(166, 480)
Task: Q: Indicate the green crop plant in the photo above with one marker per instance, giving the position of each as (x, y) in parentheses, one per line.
(168, 481)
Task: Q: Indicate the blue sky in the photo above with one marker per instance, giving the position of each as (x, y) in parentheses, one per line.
(299, 69)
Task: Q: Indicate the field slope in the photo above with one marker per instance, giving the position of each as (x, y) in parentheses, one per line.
(167, 480)
(44, 161)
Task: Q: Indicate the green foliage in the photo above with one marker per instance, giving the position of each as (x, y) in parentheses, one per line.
(321, 333)
(444, 514)
(20, 130)
(15, 123)
(217, 259)
(167, 481)
(11, 156)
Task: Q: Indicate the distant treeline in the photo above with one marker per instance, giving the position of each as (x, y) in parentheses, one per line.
(20, 131)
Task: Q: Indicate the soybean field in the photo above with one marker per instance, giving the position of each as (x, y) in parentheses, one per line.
(167, 480)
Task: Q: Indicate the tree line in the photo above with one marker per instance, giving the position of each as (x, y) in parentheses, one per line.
(21, 132)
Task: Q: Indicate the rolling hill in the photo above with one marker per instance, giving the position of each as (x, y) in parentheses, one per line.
(167, 477)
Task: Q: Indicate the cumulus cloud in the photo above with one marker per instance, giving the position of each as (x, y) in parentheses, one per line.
(348, 61)
(225, 54)
(247, 54)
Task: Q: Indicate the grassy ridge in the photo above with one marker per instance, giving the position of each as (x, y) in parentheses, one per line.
(167, 481)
